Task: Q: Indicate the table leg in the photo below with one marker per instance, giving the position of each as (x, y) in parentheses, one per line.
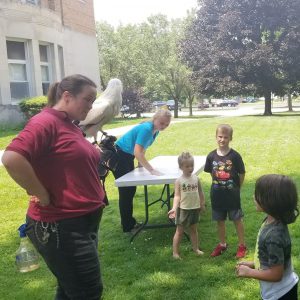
(145, 225)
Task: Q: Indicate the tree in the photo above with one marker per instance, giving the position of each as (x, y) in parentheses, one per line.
(166, 71)
(241, 46)
(145, 56)
(136, 101)
(190, 92)
(107, 52)
(121, 54)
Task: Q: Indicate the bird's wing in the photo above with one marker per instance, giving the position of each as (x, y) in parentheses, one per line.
(96, 114)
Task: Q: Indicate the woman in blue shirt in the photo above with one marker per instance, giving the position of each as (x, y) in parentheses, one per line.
(134, 144)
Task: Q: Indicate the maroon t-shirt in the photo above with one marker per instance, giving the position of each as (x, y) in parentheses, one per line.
(65, 163)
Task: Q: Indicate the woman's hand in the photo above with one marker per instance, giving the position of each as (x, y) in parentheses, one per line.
(156, 172)
(42, 200)
(97, 147)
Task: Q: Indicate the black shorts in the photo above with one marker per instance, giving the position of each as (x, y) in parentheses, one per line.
(233, 215)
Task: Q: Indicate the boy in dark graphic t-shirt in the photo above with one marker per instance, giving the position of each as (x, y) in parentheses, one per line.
(227, 170)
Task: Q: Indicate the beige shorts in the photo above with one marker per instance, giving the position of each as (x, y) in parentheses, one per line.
(187, 217)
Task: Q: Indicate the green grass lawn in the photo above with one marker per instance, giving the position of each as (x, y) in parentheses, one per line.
(145, 269)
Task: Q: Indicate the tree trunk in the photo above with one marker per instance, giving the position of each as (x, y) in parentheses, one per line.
(191, 106)
(176, 108)
(290, 104)
(268, 110)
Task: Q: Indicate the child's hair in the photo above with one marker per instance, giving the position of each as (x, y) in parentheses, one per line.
(73, 84)
(225, 128)
(277, 196)
(184, 156)
(162, 113)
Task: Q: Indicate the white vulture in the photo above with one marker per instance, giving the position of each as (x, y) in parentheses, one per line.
(104, 109)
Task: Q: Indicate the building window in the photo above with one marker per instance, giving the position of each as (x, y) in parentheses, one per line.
(46, 70)
(61, 62)
(34, 2)
(18, 69)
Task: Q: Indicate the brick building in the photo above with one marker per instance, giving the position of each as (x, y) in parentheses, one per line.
(42, 41)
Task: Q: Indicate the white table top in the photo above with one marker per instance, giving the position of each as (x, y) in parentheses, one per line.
(168, 165)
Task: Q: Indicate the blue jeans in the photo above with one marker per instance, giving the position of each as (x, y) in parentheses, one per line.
(70, 249)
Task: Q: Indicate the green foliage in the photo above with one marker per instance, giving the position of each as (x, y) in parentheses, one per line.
(32, 106)
(145, 57)
(145, 269)
(238, 46)
(135, 101)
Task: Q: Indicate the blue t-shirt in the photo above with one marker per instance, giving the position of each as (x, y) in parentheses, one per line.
(140, 134)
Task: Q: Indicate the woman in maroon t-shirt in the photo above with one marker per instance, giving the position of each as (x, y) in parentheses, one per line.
(57, 166)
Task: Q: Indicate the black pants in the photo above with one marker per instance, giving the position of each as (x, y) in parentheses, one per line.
(126, 194)
(291, 294)
(71, 253)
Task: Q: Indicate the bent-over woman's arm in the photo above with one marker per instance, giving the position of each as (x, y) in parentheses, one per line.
(23, 174)
(139, 153)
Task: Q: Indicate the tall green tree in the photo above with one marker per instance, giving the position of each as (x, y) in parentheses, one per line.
(166, 70)
(240, 46)
(121, 54)
(107, 51)
(145, 57)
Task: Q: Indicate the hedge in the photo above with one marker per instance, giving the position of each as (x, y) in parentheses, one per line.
(32, 106)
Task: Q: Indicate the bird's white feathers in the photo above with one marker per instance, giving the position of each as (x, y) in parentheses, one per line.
(104, 109)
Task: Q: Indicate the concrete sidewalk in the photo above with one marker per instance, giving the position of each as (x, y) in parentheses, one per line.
(119, 131)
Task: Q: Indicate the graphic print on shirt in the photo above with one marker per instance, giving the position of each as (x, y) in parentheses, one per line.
(189, 187)
(222, 175)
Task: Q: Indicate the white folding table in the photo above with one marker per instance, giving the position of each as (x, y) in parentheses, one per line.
(168, 165)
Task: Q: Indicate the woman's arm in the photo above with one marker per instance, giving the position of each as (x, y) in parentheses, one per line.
(272, 274)
(23, 174)
(139, 153)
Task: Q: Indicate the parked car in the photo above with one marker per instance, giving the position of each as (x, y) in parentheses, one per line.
(224, 103)
(158, 103)
(249, 100)
(171, 105)
(125, 110)
(204, 104)
(216, 102)
(229, 103)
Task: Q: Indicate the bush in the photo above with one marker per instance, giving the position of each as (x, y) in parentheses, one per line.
(135, 102)
(32, 106)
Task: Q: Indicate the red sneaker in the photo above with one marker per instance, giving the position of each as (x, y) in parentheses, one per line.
(241, 251)
(219, 250)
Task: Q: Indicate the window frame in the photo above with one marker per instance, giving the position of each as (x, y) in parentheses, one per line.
(47, 64)
(25, 62)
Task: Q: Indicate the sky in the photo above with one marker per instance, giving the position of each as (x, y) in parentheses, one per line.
(126, 12)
